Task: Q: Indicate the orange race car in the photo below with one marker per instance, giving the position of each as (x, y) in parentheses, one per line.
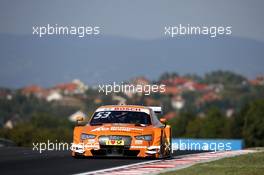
(123, 130)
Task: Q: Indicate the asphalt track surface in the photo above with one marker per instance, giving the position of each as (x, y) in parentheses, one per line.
(16, 160)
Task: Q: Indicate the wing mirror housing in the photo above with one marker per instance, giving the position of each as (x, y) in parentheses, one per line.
(79, 118)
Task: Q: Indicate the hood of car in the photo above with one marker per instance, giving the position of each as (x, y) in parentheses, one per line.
(117, 128)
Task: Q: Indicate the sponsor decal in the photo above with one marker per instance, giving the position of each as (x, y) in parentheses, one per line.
(92, 145)
(139, 142)
(115, 142)
(116, 128)
(91, 140)
(124, 109)
(100, 129)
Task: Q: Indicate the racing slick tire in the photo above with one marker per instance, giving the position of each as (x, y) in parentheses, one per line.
(163, 153)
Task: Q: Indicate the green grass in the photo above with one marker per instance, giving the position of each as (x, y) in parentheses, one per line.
(249, 164)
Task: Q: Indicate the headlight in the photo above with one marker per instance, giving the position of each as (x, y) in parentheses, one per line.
(144, 137)
(87, 136)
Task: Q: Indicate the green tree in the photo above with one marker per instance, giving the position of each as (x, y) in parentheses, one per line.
(214, 124)
(179, 124)
(253, 130)
(193, 129)
(224, 77)
(168, 75)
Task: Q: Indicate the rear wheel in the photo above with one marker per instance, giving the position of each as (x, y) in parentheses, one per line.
(161, 154)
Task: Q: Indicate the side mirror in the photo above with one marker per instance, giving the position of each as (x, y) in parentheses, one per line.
(163, 120)
(79, 118)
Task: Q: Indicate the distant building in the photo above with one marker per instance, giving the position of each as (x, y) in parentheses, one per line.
(208, 97)
(175, 81)
(72, 88)
(177, 102)
(9, 124)
(34, 90)
(81, 86)
(194, 86)
(258, 81)
(230, 112)
(12, 122)
(6, 94)
(184, 84)
(200, 87)
(140, 81)
(216, 87)
(54, 96)
(172, 90)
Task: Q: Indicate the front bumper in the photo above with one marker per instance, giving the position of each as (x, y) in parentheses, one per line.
(96, 149)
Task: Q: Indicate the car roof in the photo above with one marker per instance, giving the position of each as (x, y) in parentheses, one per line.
(124, 106)
(137, 108)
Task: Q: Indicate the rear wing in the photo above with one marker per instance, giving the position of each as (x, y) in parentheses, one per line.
(156, 109)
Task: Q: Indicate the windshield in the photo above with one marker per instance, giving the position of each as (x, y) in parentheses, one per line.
(120, 117)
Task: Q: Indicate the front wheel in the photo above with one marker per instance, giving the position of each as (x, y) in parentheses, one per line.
(165, 148)
(77, 156)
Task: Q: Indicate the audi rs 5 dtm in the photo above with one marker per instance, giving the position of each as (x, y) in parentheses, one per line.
(118, 130)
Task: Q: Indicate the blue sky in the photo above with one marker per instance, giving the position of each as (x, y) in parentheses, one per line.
(135, 19)
(132, 33)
